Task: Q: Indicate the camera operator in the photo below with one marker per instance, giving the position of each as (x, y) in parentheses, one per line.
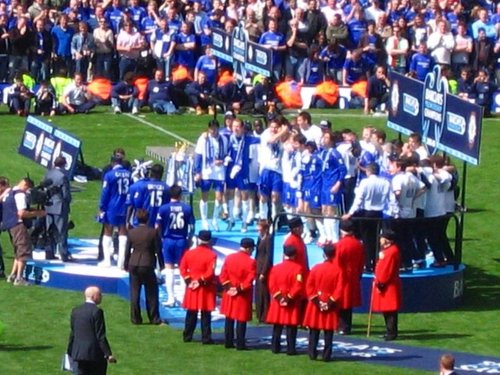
(15, 211)
(57, 208)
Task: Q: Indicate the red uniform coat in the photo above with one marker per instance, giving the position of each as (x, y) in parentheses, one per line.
(324, 284)
(199, 264)
(286, 281)
(350, 258)
(387, 273)
(301, 251)
(238, 271)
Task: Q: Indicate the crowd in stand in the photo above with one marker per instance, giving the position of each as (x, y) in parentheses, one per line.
(342, 40)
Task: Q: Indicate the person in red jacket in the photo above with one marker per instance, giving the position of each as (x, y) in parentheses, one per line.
(349, 258)
(237, 276)
(324, 291)
(295, 240)
(386, 292)
(287, 290)
(197, 268)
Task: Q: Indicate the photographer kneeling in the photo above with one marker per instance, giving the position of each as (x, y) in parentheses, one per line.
(15, 210)
(57, 208)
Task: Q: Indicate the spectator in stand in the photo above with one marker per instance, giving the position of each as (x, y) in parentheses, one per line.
(465, 88)
(253, 25)
(19, 96)
(357, 26)
(441, 44)
(377, 91)
(483, 56)
(334, 55)
(62, 35)
(355, 69)
(337, 30)
(264, 97)
(421, 63)
(82, 49)
(158, 95)
(129, 45)
(45, 100)
(114, 16)
(418, 33)
(137, 12)
(200, 94)
(463, 49)
(124, 96)
(316, 19)
(397, 50)
(484, 23)
(372, 46)
(21, 41)
(207, 24)
(497, 64)
(4, 48)
(455, 17)
(373, 12)
(75, 98)
(275, 41)
(40, 62)
(330, 10)
(312, 72)
(298, 38)
(208, 65)
(163, 45)
(383, 28)
(483, 90)
(394, 11)
(185, 45)
(104, 48)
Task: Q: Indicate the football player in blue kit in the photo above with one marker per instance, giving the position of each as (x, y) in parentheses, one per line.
(175, 223)
(333, 174)
(113, 209)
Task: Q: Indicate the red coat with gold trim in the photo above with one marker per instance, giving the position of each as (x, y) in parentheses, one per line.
(301, 250)
(350, 258)
(387, 297)
(287, 291)
(238, 271)
(198, 264)
(324, 286)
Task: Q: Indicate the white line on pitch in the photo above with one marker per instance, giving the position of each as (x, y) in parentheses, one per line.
(159, 128)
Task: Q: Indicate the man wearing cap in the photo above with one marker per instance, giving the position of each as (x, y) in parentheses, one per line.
(113, 209)
(210, 172)
(295, 240)
(386, 292)
(197, 268)
(57, 219)
(324, 292)
(286, 285)
(175, 222)
(237, 276)
(349, 259)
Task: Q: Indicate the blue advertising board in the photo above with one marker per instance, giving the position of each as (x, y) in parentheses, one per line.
(445, 121)
(42, 142)
(244, 54)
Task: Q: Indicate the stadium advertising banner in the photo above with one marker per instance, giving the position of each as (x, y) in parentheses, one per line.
(245, 55)
(42, 142)
(445, 121)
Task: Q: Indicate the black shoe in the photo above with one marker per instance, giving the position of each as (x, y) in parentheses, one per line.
(390, 337)
(208, 342)
(344, 332)
(2, 275)
(67, 258)
(187, 338)
(50, 256)
(160, 322)
(242, 348)
(291, 352)
(229, 346)
(136, 322)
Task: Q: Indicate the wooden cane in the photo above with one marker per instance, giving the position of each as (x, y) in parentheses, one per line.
(370, 312)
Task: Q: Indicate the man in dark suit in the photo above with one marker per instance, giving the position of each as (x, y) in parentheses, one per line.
(58, 210)
(143, 248)
(88, 346)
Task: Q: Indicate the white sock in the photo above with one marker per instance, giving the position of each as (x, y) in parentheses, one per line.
(204, 210)
(217, 207)
(332, 230)
(244, 211)
(335, 231)
(107, 248)
(169, 284)
(274, 210)
(122, 246)
(230, 204)
(321, 230)
(263, 210)
(225, 208)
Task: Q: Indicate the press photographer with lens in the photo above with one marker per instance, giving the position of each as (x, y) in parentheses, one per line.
(57, 206)
(16, 218)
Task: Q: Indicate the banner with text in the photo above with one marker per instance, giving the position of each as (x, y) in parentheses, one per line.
(445, 121)
(42, 142)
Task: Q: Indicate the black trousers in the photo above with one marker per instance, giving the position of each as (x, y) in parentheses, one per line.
(291, 339)
(345, 323)
(138, 277)
(391, 323)
(438, 239)
(262, 299)
(369, 232)
(404, 239)
(313, 344)
(241, 330)
(90, 367)
(190, 325)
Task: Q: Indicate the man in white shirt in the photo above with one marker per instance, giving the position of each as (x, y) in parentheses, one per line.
(311, 132)
(441, 44)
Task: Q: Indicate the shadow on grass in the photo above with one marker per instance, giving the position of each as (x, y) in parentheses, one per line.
(22, 348)
(482, 290)
(406, 335)
(475, 210)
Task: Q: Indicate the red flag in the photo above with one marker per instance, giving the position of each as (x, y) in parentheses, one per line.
(289, 94)
(100, 87)
(360, 88)
(142, 84)
(328, 91)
